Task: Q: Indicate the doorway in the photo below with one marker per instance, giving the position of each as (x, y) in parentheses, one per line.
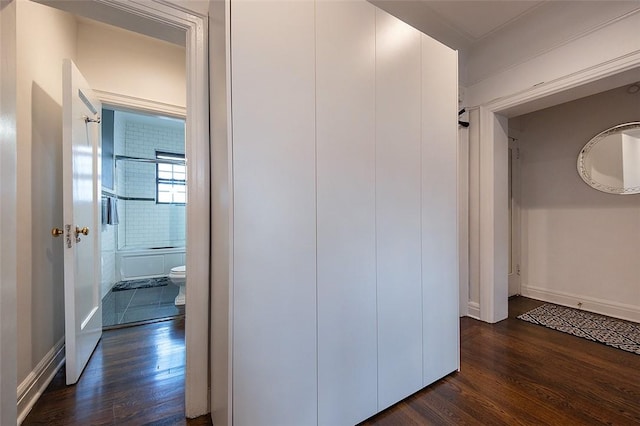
(155, 19)
(143, 217)
(494, 117)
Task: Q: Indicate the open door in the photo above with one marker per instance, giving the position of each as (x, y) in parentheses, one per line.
(81, 177)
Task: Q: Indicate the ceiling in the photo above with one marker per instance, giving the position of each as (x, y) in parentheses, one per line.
(474, 20)
(462, 24)
(492, 36)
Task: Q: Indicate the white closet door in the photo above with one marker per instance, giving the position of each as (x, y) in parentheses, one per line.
(398, 74)
(345, 85)
(274, 293)
(439, 210)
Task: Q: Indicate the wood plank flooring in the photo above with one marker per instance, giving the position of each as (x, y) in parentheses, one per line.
(517, 373)
(512, 373)
(135, 377)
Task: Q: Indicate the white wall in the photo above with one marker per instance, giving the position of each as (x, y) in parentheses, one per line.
(108, 258)
(617, 40)
(221, 271)
(545, 28)
(578, 244)
(473, 167)
(8, 148)
(44, 37)
(108, 237)
(155, 70)
(345, 283)
(200, 7)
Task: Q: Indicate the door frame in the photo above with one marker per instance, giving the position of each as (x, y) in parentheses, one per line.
(493, 190)
(197, 152)
(198, 191)
(514, 220)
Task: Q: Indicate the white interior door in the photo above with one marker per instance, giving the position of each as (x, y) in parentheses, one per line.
(81, 176)
(514, 217)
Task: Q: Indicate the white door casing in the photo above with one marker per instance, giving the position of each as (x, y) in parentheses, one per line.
(81, 239)
(514, 217)
(494, 114)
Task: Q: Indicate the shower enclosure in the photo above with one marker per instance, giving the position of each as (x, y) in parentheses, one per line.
(152, 202)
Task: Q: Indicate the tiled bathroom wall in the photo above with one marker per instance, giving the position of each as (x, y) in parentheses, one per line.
(108, 241)
(143, 223)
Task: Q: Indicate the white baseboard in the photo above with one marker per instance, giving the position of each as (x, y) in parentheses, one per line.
(37, 381)
(474, 310)
(599, 306)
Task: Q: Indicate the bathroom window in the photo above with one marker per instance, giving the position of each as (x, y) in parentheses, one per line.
(171, 179)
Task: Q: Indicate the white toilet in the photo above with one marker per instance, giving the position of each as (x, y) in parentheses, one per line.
(178, 276)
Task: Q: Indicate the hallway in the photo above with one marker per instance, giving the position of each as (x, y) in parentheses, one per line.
(512, 372)
(135, 377)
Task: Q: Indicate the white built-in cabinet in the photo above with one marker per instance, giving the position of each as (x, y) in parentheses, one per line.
(274, 184)
(398, 206)
(345, 193)
(345, 272)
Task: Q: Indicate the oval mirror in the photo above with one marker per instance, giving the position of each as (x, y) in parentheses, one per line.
(610, 161)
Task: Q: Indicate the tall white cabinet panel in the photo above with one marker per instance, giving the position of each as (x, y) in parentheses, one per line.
(344, 292)
(274, 293)
(399, 286)
(345, 87)
(439, 210)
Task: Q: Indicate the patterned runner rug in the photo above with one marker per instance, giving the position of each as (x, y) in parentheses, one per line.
(143, 283)
(620, 334)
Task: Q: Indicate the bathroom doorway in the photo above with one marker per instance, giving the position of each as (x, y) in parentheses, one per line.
(143, 217)
(174, 24)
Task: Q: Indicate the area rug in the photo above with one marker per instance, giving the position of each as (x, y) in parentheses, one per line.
(620, 334)
(143, 283)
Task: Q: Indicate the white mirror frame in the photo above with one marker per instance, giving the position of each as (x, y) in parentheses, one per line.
(585, 174)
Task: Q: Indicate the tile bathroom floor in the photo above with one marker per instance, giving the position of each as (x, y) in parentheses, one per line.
(139, 305)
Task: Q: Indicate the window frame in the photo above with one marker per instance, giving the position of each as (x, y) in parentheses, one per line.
(173, 159)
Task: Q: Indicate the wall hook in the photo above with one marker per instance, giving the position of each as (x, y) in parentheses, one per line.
(462, 123)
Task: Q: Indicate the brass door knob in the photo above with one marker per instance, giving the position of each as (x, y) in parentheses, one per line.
(56, 232)
(83, 231)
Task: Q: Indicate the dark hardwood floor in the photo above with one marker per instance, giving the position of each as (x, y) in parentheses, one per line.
(135, 377)
(517, 373)
(512, 373)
